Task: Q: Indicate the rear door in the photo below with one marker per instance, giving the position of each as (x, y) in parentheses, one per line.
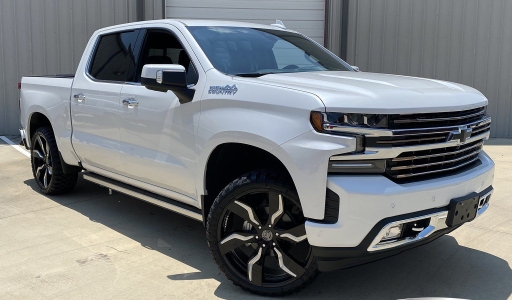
(95, 99)
(158, 144)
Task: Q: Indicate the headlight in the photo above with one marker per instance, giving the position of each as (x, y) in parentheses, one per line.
(356, 120)
(341, 124)
(323, 122)
(327, 122)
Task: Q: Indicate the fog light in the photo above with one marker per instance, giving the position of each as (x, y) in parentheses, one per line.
(393, 232)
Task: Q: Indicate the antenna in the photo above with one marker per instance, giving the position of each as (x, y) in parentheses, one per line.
(279, 24)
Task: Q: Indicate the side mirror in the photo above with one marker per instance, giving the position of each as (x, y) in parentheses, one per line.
(356, 68)
(163, 78)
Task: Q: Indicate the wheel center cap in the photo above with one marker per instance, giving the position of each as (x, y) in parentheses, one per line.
(266, 235)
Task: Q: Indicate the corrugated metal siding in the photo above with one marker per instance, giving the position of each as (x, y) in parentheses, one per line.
(465, 41)
(305, 16)
(333, 37)
(48, 37)
(154, 9)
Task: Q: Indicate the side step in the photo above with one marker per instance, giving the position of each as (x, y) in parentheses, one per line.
(181, 208)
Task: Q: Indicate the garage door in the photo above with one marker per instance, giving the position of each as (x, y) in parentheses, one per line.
(305, 16)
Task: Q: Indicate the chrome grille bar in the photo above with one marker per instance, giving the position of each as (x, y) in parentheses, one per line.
(437, 171)
(439, 119)
(430, 161)
(436, 163)
(479, 145)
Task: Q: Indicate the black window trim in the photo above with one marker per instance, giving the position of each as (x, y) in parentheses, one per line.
(95, 48)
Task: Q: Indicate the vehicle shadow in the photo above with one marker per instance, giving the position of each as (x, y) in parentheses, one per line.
(442, 268)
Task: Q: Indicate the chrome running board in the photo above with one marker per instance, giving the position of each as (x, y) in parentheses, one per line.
(173, 205)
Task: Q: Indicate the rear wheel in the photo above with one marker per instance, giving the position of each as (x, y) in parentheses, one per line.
(46, 165)
(257, 236)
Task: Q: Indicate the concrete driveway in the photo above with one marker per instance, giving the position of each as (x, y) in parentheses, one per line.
(89, 245)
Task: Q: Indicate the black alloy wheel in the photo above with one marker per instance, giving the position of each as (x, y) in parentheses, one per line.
(46, 164)
(257, 234)
(42, 161)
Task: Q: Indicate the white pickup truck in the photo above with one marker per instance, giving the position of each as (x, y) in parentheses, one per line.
(294, 161)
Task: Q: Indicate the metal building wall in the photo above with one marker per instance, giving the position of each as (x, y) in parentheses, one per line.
(154, 9)
(465, 41)
(48, 37)
(306, 16)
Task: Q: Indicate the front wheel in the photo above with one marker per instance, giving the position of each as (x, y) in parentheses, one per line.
(256, 233)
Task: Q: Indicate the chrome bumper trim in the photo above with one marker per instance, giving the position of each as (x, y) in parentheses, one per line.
(437, 222)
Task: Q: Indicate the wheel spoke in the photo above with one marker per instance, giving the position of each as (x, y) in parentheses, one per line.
(41, 146)
(36, 154)
(39, 170)
(288, 265)
(47, 148)
(255, 266)
(245, 211)
(235, 240)
(275, 207)
(45, 178)
(296, 234)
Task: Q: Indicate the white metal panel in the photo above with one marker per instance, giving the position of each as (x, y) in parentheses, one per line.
(468, 42)
(305, 16)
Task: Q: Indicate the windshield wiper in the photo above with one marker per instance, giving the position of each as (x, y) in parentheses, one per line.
(253, 74)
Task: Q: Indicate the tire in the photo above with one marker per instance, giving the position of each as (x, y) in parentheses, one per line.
(46, 164)
(273, 260)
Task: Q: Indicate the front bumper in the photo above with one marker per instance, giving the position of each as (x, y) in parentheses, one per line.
(369, 202)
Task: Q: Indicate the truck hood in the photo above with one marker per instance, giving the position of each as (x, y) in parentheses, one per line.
(379, 93)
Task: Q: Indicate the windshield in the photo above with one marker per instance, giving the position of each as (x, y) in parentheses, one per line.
(255, 52)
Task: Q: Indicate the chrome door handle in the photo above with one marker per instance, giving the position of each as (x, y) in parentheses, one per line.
(79, 97)
(131, 102)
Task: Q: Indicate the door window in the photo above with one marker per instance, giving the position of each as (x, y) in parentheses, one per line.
(115, 57)
(162, 47)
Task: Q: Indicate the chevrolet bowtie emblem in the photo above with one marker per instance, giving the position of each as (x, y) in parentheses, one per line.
(462, 134)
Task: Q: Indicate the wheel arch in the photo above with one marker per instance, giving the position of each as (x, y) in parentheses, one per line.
(36, 120)
(233, 159)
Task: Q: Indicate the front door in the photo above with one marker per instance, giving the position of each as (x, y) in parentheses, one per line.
(95, 100)
(157, 132)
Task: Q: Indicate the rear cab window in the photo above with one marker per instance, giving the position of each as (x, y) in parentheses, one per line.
(115, 57)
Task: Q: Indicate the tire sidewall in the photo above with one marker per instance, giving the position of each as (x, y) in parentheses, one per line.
(239, 187)
(60, 182)
(43, 133)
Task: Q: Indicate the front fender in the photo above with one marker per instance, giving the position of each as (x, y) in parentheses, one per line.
(307, 159)
(224, 138)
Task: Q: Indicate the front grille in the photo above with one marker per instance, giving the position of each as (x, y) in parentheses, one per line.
(427, 162)
(426, 136)
(442, 119)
